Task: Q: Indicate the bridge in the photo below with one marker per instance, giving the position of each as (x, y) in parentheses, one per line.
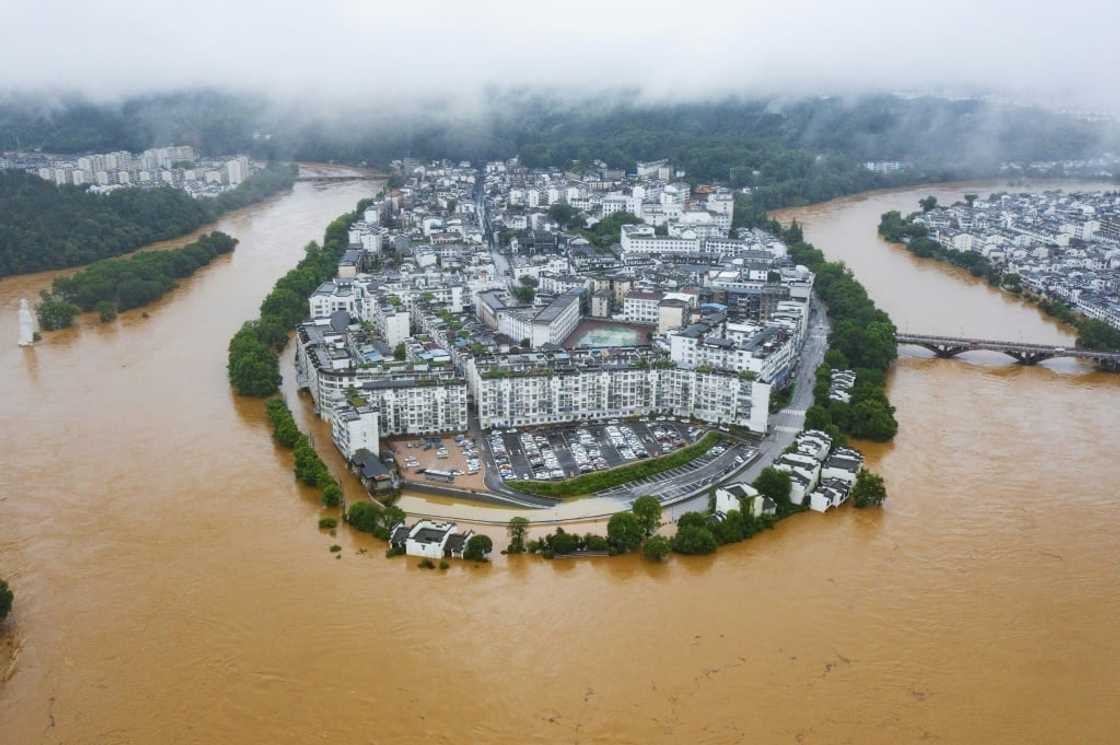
(1023, 353)
(322, 178)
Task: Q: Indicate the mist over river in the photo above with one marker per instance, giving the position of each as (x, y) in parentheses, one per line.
(172, 586)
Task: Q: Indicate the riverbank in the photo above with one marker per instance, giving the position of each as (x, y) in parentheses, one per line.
(49, 227)
(913, 236)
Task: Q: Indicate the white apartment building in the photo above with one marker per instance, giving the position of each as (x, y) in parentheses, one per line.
(393, 323)
(641, 306)
(407, 401)
(765, 352)
(533, 389)
(354, 428)
(641, 240)
(550, 324)
(335, 295)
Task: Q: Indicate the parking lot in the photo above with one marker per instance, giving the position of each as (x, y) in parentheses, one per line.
(458, 456)
(555, 453)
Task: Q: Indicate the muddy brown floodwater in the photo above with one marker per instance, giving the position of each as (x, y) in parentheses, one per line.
(172, 586)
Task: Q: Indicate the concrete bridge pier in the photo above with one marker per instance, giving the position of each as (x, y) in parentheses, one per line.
(1029, 358)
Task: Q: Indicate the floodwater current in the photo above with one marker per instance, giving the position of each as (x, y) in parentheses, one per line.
(172, 585)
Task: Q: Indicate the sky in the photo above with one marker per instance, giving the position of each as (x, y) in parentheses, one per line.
(1054, 53)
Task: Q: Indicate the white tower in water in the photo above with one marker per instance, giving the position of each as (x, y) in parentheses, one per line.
(26, 324)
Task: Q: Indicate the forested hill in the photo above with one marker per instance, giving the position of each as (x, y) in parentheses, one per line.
(777, 137)
(44, 226)
(790, 152)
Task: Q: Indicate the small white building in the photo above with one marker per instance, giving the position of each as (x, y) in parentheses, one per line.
(814, 443)
(745, 498)
(843, 465)
(428, 539)
(831, 493)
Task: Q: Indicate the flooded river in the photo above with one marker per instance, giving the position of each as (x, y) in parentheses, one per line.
(172, 585)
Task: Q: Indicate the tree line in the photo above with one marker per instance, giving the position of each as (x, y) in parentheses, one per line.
(112, 285)
(309, 468)
(45, 226)
(253, 364)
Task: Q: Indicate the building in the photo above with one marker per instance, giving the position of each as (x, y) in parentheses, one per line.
(642, 240)
(831, 493)
(430, 539)
(586, 385)
(767, 352)
(745, 498)
(540, 325)
(354, 427)
(672, 314)
(601, 304)
(409, 399)
(641, 306)
(843, 465)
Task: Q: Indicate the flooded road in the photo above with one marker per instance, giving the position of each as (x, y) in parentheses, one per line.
(172, 585)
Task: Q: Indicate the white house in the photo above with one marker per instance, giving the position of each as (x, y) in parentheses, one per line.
(745, 498)
(428, 539)
(831, 493)
(843, 465)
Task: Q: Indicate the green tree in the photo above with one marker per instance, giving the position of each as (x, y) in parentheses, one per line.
(971, 199)
(693, 539)
(56, 314)
(873, 420)
(106, 310)
(332, 494)
(399, 352)
(6, 598)
(478, 546)
(518, 529)
(256, 372)
(1099, 336)
(774, 484)
(817, 417)
(647, 509)
(364, 516)
(391, 516)
(524, 294)
(928, 204)
(730, 529)
(657, 547)
(692, 519)
(869, 490)
(624, 532)
(565, 215)
(562, 542)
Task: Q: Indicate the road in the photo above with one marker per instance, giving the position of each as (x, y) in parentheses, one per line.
(501, 263)
(784, 424)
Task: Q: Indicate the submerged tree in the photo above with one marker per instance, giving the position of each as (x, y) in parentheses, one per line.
(518, 528)
(869, 490)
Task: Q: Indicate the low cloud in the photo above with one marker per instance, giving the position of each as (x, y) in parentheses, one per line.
(380, 54)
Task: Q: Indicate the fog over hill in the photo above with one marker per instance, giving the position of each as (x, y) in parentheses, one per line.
(755, 94)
